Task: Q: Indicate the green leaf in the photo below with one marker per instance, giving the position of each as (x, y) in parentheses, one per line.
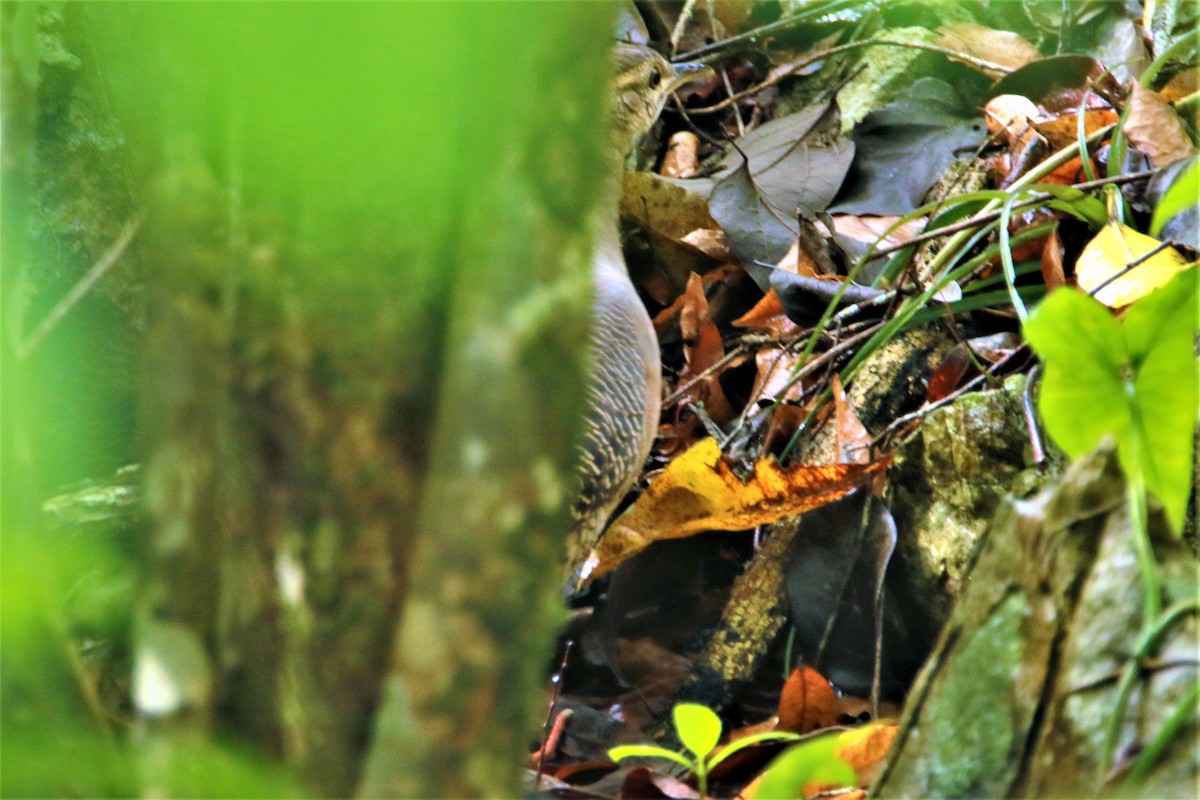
(814, 761)
(1159, 332)
(698, 727)
(1083, 397)
(748, 741)
(1134, 380)
(1075, 202)
(1184, 193)
(648, 751)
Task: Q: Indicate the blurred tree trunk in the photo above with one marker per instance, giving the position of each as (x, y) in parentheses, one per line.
(364, 240)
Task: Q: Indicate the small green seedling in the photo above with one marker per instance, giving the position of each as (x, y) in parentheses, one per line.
(699, 729)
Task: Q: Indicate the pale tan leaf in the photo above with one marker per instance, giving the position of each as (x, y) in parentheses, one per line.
(1154, 128)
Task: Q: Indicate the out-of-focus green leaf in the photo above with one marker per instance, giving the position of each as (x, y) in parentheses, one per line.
(1183, 194)
(814, 761)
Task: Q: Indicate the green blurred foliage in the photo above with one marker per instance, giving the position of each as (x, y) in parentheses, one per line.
(344, 141)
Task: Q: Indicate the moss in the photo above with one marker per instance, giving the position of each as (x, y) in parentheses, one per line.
(971, 738)
(885, 72)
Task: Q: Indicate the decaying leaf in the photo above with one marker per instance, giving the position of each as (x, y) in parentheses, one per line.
(699, 491)
(776, 365)
(903, 148)
(1114, 249)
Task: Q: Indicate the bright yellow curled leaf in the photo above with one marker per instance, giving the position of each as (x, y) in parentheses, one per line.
(1113, 249)
(699, 491)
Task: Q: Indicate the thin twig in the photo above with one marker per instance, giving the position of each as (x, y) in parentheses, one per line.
(81, 288)
(1035, 436)
(992, 216)
(841, 48)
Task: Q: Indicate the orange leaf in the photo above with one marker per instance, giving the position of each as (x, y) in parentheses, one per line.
(702, 348)
(699, 491)
(864, 748)
(807, 702)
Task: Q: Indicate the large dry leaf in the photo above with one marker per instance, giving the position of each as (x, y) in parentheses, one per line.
(1000, 47)
(1154, 128)
(699, 491)
(786, 167)
(1113, 249)
(662, 206)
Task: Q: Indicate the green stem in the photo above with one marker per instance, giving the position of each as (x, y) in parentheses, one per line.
(1185, 712)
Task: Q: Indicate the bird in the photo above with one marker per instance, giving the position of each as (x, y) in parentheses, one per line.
(624, 386)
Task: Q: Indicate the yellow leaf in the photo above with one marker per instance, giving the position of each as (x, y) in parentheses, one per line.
(1113, 249)
(698, 491)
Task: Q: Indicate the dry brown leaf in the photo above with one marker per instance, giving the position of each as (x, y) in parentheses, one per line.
(807, 702)
(699, 491)
(1000, 47)
(1154, 128)
(1113, 249)
(1052, 265)
(702, 349)
(775, 365)
(712, 242)
(853, 441)
(767, 314)
(869, 229)
(663, 207)
(1063, 130)
(1010, 117)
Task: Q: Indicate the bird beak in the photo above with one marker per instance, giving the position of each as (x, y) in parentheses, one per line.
(689, 72)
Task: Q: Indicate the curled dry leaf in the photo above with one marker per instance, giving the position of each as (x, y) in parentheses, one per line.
(1010, 117)
(699, 491)
(1114, 249)
(711, 242)
(683, 156)
(1060, 131)
(874, 229)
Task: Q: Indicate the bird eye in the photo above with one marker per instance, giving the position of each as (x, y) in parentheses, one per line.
(655, 78)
